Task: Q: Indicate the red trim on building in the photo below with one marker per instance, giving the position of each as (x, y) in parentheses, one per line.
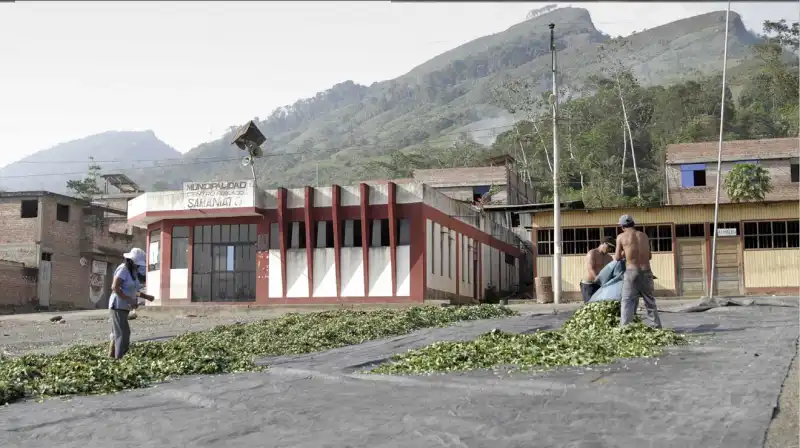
(282, 230)
(392, 206)
(336, 194)
(458, 264)
(308, 205)
(262, 261)
(189, 263)
(365, 236)
(234, 212)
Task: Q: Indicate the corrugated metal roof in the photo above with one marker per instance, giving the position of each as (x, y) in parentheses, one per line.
(772, 148)
(481, 175)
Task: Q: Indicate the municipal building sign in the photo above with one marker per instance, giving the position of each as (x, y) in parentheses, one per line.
(215, 195)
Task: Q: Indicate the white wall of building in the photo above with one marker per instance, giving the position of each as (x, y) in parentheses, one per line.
(441, 262)
(324, 273)
(153, 287)
(350, 196)
(178, 283)
(380, 272)
(323, 197)
(352, 272)
(275, 270)
(403, 270)
(296, 273)
(296, 198)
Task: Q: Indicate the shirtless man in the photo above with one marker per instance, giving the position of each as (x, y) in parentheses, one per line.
(634, 247)
(596, 260)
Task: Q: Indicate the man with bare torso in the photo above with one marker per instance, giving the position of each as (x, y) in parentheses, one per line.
(634, 247)
(596, 260)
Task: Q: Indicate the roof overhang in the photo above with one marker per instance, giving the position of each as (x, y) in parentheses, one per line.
(151, 217)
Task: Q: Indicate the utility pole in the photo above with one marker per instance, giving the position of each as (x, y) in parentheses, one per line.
(556, 199)
(719, 161)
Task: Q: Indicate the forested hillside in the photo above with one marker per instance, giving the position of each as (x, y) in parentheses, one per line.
(453, 97)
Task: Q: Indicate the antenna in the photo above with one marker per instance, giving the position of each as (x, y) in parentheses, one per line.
(249, 138)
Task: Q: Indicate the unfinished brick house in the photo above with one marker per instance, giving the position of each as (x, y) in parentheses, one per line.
(691, 168)
(57, 250)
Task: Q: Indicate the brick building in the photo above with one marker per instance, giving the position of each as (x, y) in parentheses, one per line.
(691, 171)
(64, 245)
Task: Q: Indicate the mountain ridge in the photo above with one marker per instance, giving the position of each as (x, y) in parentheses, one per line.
(341, 128)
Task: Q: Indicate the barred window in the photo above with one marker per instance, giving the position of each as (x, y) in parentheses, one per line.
(579, 241)
(772, 234)
(690, 230)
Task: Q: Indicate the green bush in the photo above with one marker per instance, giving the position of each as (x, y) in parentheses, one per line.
(591, 336)
(86, 369)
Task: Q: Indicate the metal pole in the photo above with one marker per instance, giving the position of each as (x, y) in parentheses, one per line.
(556, 198)
(719, 159)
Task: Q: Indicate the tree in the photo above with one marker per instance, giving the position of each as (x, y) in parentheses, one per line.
(747, 182)
(86, 188)
(160, 185)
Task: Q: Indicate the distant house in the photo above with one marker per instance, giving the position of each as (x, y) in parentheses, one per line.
(498, 183)
(59, 250)
(691, 168)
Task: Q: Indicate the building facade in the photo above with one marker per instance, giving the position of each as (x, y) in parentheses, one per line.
(233, 243)
(691, 168)
(758, 246)
(62, 246)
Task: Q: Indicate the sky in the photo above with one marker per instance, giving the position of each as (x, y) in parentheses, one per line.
(190, 70)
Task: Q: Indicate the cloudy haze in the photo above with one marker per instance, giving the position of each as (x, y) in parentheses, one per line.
(189, 70)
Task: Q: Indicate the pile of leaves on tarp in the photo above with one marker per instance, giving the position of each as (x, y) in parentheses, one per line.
(86, 369)
(591, 336)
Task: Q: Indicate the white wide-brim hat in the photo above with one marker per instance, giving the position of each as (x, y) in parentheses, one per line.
(137, 256)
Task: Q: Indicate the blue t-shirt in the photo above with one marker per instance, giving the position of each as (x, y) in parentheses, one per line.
(129, 287)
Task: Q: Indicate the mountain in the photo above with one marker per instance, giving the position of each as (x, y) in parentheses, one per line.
(330, 137)
(337, 131)
(51, 168)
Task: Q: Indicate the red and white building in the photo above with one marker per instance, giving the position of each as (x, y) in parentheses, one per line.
(371, 243)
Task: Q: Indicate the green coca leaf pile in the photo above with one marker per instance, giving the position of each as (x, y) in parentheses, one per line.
(591, 336)
(230, 348)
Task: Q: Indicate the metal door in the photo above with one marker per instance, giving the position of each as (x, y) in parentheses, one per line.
(44, 283)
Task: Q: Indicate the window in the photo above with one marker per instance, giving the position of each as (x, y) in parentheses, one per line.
(772, 234)
(463, 259)
(693, 175)
(154, 262)
(795, 172)
(433, 252)
(324, 237)
(515, 220)
(180, 247)
(403, 232)
(379, 233)
(544, 242)
(449, 240)
(29, 208)
(47, 256)
(274, 236)
(351, 237)
(297, 235)
(509, 259)
(478, 192)
(690, 230)
(579, 241)
(442, 236)
(660, 237)
(224, 263)
(62, 212)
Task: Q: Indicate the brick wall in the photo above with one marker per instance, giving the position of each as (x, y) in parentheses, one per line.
(779, 171)
(18, 289)
(19, 235)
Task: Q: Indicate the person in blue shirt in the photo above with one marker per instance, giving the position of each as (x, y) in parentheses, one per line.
(123, 299)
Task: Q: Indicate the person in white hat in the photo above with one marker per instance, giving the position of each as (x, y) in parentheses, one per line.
(124, 298)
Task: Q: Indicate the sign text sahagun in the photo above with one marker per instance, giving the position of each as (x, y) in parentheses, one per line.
(222, 194)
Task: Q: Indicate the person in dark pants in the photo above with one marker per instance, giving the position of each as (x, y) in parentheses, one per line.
(125, 287)
(596, 260)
